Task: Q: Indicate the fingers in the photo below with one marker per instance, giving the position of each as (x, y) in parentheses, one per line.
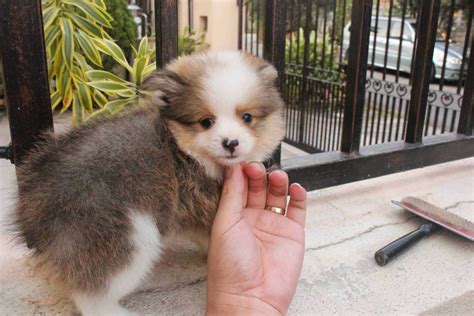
(297, 205)
(233, 192)
(257, 184)
(277, 189)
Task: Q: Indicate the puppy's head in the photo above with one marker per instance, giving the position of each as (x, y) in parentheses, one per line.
(222, 108)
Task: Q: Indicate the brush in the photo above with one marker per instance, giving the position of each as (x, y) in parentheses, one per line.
(459, 221)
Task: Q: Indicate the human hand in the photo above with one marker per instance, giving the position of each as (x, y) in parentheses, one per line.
(255, 255)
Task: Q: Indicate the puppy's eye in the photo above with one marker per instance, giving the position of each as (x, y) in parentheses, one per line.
(207, 122)
(247, 117)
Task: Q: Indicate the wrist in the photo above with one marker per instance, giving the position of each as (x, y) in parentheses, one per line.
(234, 304)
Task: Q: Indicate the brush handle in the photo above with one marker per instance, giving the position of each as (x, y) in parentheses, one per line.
(384, 255)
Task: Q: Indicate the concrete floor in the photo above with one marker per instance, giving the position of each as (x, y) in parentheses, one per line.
(345, 226)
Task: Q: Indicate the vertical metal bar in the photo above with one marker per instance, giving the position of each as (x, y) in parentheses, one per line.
(446, 46)
(290, 54)
(374, 45)
(323, 53)
(303, 100)
(240, 3)
(467, 39)
(274, 45)
(400, 41)
(252, 9)
(298, 35)
(399, 117)
(428, 18)
(392, 116)
(387, 36)
(466, 117)
(367, 117)
(246, 25)
(191, 15)
(316, 27)
(356, 76)
(258, 27)
(166, 23)
(25, 73)
(342, 30)
(274, 37)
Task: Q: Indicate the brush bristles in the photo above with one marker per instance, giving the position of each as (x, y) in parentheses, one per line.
(446, 217)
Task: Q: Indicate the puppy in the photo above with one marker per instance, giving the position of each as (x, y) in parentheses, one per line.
(96, 203)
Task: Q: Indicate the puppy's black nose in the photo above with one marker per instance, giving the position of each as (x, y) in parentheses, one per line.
(230, 144)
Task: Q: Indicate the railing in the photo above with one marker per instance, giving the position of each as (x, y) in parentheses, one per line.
(317, 41)
(340, 123)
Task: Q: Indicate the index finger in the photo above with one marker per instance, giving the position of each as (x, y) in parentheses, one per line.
(257, 184)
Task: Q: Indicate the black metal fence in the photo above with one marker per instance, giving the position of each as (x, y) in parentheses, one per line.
(317, 42)
(328, 108)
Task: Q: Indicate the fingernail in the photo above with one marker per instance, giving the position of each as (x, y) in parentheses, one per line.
(299, 185)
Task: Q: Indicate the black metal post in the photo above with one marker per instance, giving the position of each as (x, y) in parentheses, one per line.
(274, 36)
(166, 24)
(240, 3)
(356, 75)
(421, 71)
(303, 100)
(274, 45)
(466, 117)
(25, 73)
(191, 14)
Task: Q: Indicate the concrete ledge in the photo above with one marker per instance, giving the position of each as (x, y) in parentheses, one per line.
(346, 225)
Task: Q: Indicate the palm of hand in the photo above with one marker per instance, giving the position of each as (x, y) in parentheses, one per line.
(260, 252)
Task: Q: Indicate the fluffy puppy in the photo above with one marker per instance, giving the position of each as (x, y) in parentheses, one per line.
(96, 203)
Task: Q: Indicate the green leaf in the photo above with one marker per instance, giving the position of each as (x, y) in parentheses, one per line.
(149, 69)
(101, 4)
(86, 26)
(49, 15)
(84, 95)
(88, 48)
(77, 74)
(67, 30)
(55, 99)
(117, 105)
(78, 113)
(82, 62)
(92, 10)
(99, 114)
(50, 37)
(57, 61)
(109, 86)
(102, 75)
(128, 93)
(63, 81)
(67, 99)
(143, 47)
(110, 48)
(99, 98)
(138, 68)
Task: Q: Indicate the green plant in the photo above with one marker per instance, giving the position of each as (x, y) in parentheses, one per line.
(120, 91)
(73, 31)
(190, 41)
(319, 57)
(76, 43)
(123, 31)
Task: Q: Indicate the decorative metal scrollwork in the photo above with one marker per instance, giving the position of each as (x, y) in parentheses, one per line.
(403, 91)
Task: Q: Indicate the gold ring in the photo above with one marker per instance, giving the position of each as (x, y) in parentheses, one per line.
(275, 209)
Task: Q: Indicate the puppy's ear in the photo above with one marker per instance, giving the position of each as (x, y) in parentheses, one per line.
(268, 73)
(161, 87)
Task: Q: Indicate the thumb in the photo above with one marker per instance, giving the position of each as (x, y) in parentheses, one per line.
(233, 191)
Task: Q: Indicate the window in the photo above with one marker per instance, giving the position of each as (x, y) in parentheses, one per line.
(203, 23)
